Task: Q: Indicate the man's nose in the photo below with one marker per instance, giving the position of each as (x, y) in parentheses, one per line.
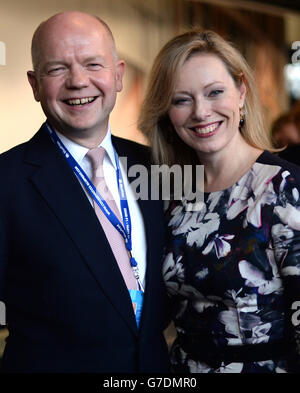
(77, 78)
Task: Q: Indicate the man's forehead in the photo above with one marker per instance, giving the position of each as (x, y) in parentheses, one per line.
(69, 32)
(72, 20)
(92, 42)
(72, 32)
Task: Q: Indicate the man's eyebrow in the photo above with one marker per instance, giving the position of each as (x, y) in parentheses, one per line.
(87, 59)
(54, 62)
(94, 58)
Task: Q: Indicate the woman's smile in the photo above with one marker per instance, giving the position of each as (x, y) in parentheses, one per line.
(206, 130)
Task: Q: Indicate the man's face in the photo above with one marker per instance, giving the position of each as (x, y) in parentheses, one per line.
(78, 78)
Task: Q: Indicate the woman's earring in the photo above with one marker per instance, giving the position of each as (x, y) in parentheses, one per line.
(242, 118)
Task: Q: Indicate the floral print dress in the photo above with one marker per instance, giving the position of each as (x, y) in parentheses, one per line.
(232, 269)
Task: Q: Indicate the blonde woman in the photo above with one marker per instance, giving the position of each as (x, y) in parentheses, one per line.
(232, 268)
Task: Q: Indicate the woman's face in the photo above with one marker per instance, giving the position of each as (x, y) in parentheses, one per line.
(205, 105)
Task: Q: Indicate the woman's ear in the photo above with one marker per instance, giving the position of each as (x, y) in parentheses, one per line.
(243, 91)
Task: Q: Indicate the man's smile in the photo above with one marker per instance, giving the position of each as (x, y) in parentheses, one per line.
(79, 101)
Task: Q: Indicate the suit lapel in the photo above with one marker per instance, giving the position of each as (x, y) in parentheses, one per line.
(57, 184)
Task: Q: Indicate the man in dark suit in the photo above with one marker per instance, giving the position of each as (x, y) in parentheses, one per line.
(69, 308)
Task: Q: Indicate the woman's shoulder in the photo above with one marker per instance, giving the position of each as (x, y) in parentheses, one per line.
(283, 186)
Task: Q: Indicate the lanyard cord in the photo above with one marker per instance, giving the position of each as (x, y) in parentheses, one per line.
(125, 230)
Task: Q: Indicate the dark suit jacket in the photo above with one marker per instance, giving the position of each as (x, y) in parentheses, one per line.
(68, 309)
(291, 154)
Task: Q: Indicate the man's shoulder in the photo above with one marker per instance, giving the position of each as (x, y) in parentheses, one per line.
(10, 168)
(129, 148)
(123, 142)
(12, 155)
(13, 159)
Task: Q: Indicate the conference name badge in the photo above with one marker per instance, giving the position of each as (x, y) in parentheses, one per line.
(137, 298)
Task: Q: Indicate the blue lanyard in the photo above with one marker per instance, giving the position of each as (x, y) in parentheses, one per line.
(125, 230)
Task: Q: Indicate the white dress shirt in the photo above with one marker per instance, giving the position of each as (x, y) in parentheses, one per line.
(139, 245)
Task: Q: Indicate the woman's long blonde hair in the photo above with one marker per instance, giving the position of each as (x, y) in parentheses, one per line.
(167, 147)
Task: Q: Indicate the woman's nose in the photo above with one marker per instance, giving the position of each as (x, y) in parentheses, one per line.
(202, 109)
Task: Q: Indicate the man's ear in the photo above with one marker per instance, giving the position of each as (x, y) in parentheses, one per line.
(32, 79)
(120, 70)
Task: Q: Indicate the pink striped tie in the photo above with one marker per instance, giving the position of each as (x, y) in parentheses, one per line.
(114, 238)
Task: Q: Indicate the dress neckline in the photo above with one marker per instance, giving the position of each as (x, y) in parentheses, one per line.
(207, 194)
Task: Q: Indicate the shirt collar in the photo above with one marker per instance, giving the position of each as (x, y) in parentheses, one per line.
(78, 151)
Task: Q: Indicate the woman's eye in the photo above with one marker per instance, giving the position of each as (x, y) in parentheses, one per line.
(215, 93)
(181, 101)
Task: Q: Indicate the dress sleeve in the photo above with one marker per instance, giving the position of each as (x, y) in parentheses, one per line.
(286, 242)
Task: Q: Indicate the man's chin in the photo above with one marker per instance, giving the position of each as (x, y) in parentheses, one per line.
(71, 127)
(82, 134)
